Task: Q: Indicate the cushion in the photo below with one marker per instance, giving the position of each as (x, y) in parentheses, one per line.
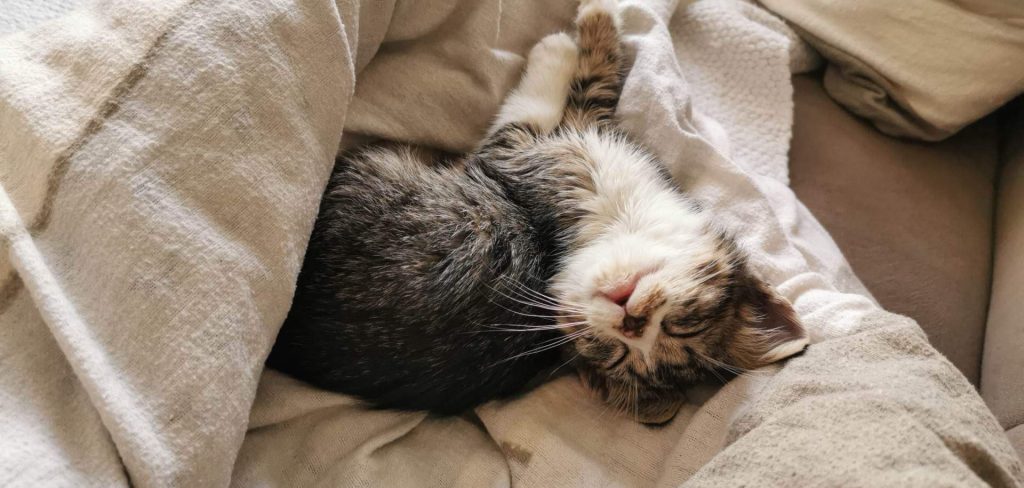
(914, 220)
(915, 68)
(1002, 384)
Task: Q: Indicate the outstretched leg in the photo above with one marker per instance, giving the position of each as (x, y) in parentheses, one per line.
(536, 105)
(597, 82)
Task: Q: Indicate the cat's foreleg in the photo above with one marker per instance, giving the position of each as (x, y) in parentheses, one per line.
(597, 82)
(537, 104)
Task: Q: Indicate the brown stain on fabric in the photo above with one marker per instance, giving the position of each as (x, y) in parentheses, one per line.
(9, 289)
(107, 108)
(516, 452)
(10, 285)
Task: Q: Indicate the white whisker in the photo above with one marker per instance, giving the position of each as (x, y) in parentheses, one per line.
(564, 310)
(636, 400)
(546, 317)
(547, 345)
(537, 295)
(726, 366)
(563, 364)
(530, 291)
(530, 328)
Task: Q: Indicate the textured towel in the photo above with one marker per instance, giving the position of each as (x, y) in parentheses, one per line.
(161, 164)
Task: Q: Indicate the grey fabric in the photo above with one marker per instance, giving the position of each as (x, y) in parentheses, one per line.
(914, 220)
(878, 407)
(1016, 436)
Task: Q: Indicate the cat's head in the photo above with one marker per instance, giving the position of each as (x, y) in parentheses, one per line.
(655, 308)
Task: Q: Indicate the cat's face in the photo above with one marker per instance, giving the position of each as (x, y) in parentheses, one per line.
(655, 308)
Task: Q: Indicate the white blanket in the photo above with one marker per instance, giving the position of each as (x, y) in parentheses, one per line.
(19, 15)
(161, 164)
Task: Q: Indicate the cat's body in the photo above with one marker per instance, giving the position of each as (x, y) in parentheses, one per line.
(404, 296)
(439, 286)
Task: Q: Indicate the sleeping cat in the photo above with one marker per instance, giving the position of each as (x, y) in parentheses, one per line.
(440, 285)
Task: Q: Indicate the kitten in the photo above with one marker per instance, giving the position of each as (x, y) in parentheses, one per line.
(442, 286)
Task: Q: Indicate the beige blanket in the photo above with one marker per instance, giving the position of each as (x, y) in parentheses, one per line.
(916, 68)
(160, 167)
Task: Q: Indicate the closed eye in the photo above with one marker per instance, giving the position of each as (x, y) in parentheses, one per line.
(683, 335)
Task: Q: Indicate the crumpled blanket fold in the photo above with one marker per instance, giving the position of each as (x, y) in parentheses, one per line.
(160, 169)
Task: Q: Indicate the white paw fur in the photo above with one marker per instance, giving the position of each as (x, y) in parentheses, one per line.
(540, 98)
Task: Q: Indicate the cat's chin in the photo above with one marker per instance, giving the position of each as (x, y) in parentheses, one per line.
(660, 413)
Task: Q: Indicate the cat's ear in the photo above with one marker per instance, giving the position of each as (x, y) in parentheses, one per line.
(769, 330)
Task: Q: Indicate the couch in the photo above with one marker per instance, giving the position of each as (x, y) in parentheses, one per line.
(934, 230)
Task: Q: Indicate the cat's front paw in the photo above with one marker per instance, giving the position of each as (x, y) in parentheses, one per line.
(593, 7)
(558, 48)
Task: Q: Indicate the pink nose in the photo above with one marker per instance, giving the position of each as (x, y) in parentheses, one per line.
(620, 294)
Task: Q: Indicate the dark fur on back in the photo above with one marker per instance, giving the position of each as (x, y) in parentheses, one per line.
(407, 285)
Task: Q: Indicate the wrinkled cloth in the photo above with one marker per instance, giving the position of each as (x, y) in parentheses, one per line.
(916, 68)
(161, 165)
(19, 15)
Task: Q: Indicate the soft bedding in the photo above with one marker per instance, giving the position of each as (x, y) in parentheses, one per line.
(161, 164)
(921, 69)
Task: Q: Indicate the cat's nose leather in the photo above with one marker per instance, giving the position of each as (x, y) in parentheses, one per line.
(620, 294)
(633, 327)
